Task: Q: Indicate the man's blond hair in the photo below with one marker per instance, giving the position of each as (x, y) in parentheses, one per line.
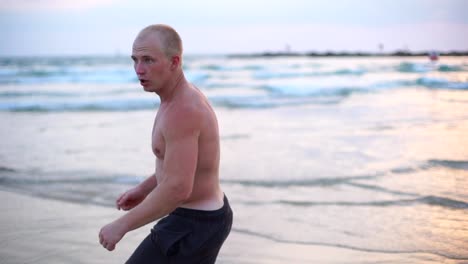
(170, 39)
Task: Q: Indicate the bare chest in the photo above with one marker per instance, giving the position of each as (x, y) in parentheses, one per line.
(158, 145)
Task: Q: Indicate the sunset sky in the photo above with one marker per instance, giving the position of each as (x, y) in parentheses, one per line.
(94, 27)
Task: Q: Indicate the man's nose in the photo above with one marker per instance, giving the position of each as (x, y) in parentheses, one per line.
(139, 69)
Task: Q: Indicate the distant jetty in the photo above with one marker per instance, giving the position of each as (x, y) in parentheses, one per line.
(347, 54)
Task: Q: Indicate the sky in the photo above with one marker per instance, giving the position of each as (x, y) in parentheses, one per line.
(108, 27)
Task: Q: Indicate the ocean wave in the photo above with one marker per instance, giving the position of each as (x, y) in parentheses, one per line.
(427, 200)
(262, 83)
(77, 94)
(321, 182)
(222, 66)
(65, 61)
(451, 68)
(145, 104)
(312, 73)
(16, 176)
(307, 89)
(272, 95)
(410, 67)
(14, 94)
(452, 164)
(120, 69)
(257, 102)
(441, 83)
(85, 76)
(22, 179)
(380, 189)
(310, 90)
(66, 75)
(88, 105)
(6, 169)
(275, 238)
(196, 76)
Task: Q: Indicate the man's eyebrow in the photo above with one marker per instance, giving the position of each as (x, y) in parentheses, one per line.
(142, 57)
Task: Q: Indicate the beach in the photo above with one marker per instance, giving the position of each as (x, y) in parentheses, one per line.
(51, 231)
(324, 160)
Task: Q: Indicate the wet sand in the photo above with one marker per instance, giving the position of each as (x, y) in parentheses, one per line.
(38, 230)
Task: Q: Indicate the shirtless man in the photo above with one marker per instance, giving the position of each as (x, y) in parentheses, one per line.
(184, 188)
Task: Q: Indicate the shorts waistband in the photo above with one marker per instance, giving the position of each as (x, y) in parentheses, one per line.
(203, 214)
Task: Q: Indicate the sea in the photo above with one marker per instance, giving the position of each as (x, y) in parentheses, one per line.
(364, 153)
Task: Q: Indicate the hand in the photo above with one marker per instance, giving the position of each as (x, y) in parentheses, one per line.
(111, 234)
(130, 199)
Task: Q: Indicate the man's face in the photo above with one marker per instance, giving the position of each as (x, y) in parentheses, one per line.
(150, 63)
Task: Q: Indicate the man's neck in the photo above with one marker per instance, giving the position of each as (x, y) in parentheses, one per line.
(173, 88)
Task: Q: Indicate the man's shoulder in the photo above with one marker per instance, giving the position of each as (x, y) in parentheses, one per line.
(186, 110)
(192, 105)
(182, 120)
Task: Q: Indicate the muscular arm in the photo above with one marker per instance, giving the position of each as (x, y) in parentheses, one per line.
(177, 175)
(174, 180)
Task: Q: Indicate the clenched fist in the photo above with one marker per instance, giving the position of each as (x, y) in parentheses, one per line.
(111, 234)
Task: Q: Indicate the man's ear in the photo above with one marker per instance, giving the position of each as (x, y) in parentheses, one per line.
(175, 62)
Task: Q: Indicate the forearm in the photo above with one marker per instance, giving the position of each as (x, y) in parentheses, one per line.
(161, 201)
(148, 184)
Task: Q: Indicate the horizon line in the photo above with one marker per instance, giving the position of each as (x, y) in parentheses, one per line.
(279, 53)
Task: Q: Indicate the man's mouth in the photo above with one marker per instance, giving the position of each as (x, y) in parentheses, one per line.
(143, 82)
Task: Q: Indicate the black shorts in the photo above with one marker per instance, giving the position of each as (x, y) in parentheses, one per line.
(186, 236)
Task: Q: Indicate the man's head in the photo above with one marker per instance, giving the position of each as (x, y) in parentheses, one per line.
(157, 54)
(170, 41)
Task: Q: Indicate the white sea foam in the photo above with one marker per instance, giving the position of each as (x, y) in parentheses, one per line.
(108, 84)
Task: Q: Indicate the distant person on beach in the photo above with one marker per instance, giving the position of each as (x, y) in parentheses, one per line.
(184, 190)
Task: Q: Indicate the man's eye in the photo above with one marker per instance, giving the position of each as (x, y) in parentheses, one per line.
(148, 60)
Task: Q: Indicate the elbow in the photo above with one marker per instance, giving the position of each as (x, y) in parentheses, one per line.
(181, 193)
